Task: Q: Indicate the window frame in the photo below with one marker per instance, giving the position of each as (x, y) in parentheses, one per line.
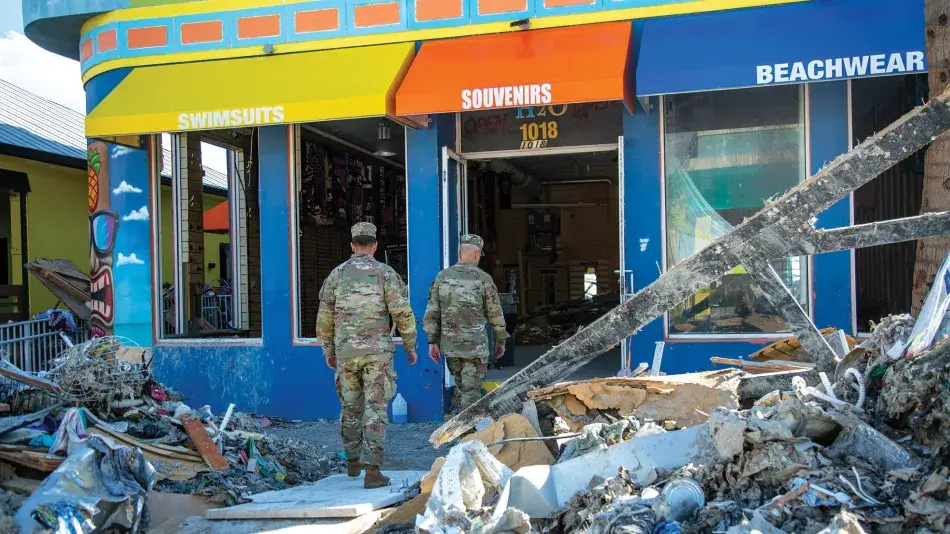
(294, 186)
(807, 261)
(237, 295)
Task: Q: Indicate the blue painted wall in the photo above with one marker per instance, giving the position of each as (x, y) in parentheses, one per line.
(829, 139)
(131, 271)
(274, 375)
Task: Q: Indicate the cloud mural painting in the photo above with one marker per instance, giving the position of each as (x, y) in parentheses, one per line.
(103, 228)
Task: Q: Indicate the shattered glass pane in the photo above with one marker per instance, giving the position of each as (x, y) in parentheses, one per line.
(726, 154)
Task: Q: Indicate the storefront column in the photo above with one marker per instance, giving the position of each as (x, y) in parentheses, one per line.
(304, 384)
(121, 261)
(833, 287)
(422, 385)
(643, 217)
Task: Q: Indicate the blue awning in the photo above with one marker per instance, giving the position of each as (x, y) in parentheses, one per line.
(792, 43)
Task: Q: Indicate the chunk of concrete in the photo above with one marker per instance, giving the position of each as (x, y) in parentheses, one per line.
(540, 491)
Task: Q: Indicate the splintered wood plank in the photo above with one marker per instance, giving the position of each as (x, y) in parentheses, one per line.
(199, 436)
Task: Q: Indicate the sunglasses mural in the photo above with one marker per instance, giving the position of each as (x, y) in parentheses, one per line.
(103, 229)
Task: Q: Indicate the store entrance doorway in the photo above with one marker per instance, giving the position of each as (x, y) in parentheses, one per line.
(552, 221)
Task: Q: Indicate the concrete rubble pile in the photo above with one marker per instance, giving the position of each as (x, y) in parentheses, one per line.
(96, 442)
(865, 451)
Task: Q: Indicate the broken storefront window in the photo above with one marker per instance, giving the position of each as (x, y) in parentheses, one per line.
(727, 153)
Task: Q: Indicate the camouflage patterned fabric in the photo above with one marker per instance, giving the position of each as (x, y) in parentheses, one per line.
(461, 300)
(355, 304)
(469, 375)
(365, 387)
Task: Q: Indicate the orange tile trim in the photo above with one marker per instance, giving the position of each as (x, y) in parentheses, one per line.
(211, 31)
(147, 37)
(107, 40)
(429, 10)
(496, 7)
(567, 3)
(261, 26)
(369, 15)
(85, 49)
(317, 20)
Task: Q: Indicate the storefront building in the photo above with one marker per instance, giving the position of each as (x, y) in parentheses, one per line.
(594, 143)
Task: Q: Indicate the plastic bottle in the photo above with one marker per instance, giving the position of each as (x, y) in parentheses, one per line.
(400, 409)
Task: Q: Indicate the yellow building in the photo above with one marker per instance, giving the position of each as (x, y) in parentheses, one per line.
(43, 198)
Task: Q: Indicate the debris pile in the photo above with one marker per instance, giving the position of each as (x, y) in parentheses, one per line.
(101, 420)
(860, 449)
(553, 324)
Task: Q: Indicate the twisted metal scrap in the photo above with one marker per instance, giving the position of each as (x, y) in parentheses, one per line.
(90, 374)
(781, 229)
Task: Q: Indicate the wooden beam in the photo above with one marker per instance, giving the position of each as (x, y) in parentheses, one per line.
(777, 228)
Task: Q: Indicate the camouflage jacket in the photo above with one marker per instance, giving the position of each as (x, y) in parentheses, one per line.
(461, 300)
(355, 304)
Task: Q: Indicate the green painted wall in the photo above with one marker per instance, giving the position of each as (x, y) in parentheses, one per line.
(57, 221)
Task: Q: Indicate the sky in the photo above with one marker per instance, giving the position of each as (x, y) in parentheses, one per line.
(53, 77)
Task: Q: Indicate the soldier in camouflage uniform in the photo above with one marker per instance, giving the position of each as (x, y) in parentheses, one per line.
(461, 300)
(353, 327)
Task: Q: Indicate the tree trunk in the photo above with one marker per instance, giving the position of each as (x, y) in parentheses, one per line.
(936, 194)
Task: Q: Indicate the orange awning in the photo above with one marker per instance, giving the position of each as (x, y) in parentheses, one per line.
(216, 219)
(587, 63)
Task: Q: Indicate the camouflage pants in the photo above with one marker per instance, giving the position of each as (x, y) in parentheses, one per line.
(365, 387)
(469, 375)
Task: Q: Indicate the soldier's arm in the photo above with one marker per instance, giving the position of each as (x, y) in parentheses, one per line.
(432, 321)
(494, 312)
(325, 315)
(398, 302)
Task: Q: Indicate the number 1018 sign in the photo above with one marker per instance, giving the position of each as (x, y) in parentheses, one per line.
(534, 127)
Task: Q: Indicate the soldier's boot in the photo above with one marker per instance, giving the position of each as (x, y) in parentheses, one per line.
(353, 467)
(374, 479)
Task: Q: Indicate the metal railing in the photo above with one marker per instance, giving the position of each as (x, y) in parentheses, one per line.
(217, 309)
(32, 345)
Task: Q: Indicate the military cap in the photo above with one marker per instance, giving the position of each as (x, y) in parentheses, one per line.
(363, 229)
(472, 239)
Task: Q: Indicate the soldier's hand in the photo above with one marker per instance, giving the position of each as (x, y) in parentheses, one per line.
(499, 351)
(434, 352)
(331, 362)
(412, 357)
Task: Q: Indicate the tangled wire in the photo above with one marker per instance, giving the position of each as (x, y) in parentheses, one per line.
(91, 373)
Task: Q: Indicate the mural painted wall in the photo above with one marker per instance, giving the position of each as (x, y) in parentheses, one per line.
(119, 242)
(103, 227)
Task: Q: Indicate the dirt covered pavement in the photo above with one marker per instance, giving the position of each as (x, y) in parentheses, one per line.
(407, 446)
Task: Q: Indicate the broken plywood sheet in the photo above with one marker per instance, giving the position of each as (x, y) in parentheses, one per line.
(66, 281)
(680, 398)
(201, 525)
(336, 496)
(514, 455)
(789, 349)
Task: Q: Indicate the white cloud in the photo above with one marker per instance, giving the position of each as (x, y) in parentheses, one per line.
(124, 187)
(40, 72)
(131, 259)
(140, 214)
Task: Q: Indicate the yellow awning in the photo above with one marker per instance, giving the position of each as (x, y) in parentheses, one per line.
(282, 89)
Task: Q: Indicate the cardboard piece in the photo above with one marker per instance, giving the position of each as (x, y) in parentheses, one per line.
(517, 454)
(660, 398)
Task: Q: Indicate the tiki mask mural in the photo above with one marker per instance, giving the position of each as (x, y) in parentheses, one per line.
(103, 227)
